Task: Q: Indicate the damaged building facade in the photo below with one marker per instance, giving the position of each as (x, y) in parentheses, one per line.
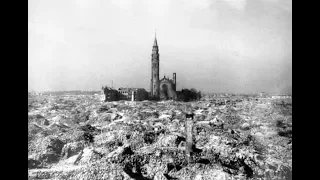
(163, 89)
(138, 94)
(135, 94)
(168, 88)
(111, 94)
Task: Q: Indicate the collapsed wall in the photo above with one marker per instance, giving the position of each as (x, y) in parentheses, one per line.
(111, 94)
(116, 95)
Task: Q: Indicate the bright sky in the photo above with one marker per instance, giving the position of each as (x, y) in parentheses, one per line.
(239, 46)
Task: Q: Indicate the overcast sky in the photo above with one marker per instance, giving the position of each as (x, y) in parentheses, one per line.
(239, 46)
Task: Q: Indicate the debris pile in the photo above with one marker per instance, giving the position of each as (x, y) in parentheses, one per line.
(80, 137)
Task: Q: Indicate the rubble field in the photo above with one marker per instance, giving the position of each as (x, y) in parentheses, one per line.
(80, 137)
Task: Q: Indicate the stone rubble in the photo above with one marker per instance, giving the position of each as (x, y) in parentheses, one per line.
(80, 137)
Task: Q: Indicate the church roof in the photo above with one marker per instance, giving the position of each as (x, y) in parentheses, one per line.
(164, 79)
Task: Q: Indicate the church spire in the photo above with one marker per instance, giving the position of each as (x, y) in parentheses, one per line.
(155, 42)
(155, 38)
(155, 83)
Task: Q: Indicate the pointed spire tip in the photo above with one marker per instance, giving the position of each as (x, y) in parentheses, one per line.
(155, 39)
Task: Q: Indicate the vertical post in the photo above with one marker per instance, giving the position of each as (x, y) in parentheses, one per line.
(175, 81)
(132, 96)
(189, 135)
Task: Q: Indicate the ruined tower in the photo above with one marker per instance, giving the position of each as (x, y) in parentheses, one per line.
(155, 83)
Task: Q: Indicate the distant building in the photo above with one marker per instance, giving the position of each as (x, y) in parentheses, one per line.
(140, 94)
(125, 92)
(164, 88)
(168, 88)
(159, 89)
(263, 94)
(281, 97)
(111, 94)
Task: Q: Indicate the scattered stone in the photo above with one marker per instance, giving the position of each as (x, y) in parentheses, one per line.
(33, 163)
(245, 126)
(147, 140)
(71, 149)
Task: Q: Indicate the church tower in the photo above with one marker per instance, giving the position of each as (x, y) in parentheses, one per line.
(155, 83)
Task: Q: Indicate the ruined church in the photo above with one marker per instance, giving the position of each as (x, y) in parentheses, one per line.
(165, 88)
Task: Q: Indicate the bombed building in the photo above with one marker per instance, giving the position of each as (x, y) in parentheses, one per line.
(111, 94)
(163, 89)
(168, 88)
(138, 94)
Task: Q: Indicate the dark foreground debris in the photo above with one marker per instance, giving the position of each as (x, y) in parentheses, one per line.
(229, 139)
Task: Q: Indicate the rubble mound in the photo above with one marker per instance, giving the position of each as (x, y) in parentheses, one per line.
(47, 151)
(80, 137)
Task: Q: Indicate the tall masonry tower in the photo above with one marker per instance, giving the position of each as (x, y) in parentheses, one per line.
(155, 83)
